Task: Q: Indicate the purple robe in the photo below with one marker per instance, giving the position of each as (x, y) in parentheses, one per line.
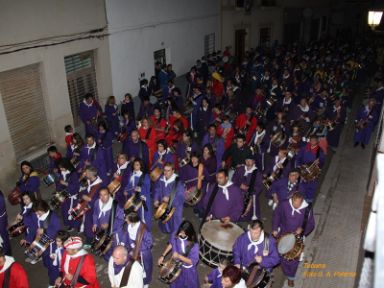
(88, 217)
(30, 221)
(189, 278)
(127, 127)
(182, 148)
(73, 189)
(161, 191)
(145, 215)
(124, 174)
(168, 157)
(112, 115)
(221, 207)
(218, 147)
(210, 165)
(104, 141)
(137, 150)
(215, 278)
(244, 253)
(96, 157)
(307, 156)
(363, 135)
(87, 113)
(239, 178)
(287, 220)
(3, 226)
(128, 107)
(283, 190)
(145, 111)
(333, 136)
(204, 118)
(270, 166)
(31, 186)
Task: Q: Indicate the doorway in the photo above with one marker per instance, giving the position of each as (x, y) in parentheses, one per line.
(240, 35)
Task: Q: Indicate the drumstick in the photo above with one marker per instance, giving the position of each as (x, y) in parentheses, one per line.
(254, 217)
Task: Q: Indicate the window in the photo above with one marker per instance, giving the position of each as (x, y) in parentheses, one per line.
(265, 36)
(268, 3)
(209, 44)
(81, 79)
(160, 56)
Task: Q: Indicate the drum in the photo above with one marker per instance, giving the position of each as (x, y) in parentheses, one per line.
(114, 186)
(193, 196)
(57, 199)
(278, 139)
(14, 197)
(50, 179)
(102, 243)
(262, 279)
(17, 229)
(79, 210)
(310, 172)
(290, 246)
(155, 174)
(133, 203)
(169, 271)
(37, 247)
(216, 241)
(164, 213)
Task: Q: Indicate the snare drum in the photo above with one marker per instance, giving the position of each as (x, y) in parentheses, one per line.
(164, 213)
(290, 246)
(262, 279)
(216, 241)
(15, 196)
(133, 203)
(17, 229)
(38, 247)
(102, 243)
(193, 196)
(49, 179)
(57, 199)
(155, 174)
(114, 186)
(169, 271)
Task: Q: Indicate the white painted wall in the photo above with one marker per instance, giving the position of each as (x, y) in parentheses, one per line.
(140, 27)
(31, 20)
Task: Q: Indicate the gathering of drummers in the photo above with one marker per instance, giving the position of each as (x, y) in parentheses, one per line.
(246, 133)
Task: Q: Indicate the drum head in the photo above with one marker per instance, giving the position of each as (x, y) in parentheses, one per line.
(220, 237)
(286, 243)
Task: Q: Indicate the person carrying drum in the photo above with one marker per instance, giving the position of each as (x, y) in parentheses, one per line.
(255, 249)
(292, 218)
(185, 254)
(213, 279)
(12, 274)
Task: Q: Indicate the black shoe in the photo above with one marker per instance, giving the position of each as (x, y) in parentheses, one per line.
(356, 144)
(362, 146)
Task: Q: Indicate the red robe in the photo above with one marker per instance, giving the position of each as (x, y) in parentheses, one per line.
(18, 276)
(159, 124)
(174, 136)
(218, 89)
(87, 272)
(150, 141)
(240, 123)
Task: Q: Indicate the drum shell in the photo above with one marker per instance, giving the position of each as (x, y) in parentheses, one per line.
(17, 229)
(169, 271)
(155, 174)
(14, 197)
(294, 252)
(193, 196)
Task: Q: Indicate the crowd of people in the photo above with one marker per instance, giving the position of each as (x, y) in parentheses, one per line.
(247, 131)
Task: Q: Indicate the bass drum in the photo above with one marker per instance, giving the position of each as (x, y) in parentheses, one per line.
(290, 246)
(216, 241)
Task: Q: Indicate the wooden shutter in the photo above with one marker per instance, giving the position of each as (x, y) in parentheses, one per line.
(209, 44)
(24, 109)
(81, 79)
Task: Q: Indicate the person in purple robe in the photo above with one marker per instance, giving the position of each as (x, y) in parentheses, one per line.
(104, 141)
(307, 155)
(93, 155)
(285, 187)
(127, 106)
(170, 189)
(56, 250)
(259, 145)
(111, 112)
(139, 182)
(74, 150)
(255, 247)
(4, 237)
(184, 248)
(185, 147)
(136, 148)
(208, 159)
(336, 115)
(289, 217)
(48, 224)
(214, 277)
(280, 164)
(204, 117)
(89, 196)
(146, 110)
(29, 180)
(128, 124)
(162, 155)
(68, 181)
(89, 113)
(127, 235)
(121, 172)
(365, 123)
(228, 203)
(302, 113)
(54, 157)
(29, 218)
(286, 104)
(244, 176)
(216, 142)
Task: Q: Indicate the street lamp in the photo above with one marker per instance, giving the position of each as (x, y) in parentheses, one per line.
(374, 18)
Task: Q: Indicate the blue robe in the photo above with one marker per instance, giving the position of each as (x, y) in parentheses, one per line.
(287, 222)
(162, 191)
(189, 278)
(3, 226)
(244, 254)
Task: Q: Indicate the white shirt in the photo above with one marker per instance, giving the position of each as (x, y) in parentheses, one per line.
(241, 284)
(135, 277)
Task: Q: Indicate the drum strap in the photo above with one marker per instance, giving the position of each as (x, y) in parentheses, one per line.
(209, 205)
(148, 133)
(77, 272)
(266, 245)
(112, 217)
(126, 273)
(250, 188)
(47, 221)
(140, 184)
(172, 196)
(306, 217)
(141, 149)
(7, 277)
